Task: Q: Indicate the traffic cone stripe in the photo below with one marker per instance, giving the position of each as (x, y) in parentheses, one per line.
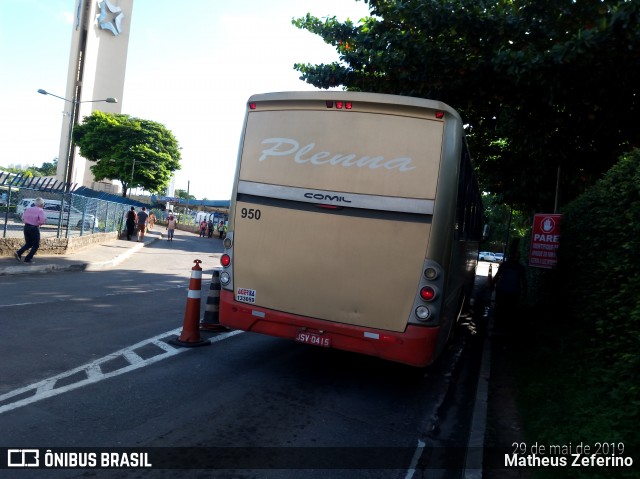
(190, 335)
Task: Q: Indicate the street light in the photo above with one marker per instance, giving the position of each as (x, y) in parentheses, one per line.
(68, 167)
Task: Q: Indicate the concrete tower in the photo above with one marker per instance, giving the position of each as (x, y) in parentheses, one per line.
(97, 65)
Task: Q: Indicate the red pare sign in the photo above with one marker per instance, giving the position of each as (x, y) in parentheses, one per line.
(545, 241)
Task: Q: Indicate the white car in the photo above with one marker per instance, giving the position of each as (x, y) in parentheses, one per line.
(486, 256)
(52, 213)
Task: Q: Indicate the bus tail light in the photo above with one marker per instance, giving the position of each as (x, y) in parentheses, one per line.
(226, 261)
(428, 293)
(427, 304)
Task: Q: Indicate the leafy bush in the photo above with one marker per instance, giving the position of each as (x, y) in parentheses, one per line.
(578, 375)
(600, 268)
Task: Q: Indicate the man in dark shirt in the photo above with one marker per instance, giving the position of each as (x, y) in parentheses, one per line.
(142, 223)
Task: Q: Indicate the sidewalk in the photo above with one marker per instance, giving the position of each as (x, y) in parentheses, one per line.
(92, 257)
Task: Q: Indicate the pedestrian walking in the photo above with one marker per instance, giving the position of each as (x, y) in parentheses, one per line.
(143, 218)
(203, 228)
(210, 228)
(132, 218)
(171, 226)
(511, 286)
(220, 229)
(152, 220)
(33, 218)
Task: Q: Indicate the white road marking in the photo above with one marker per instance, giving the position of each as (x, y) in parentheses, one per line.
(93, 372)
(414, 460)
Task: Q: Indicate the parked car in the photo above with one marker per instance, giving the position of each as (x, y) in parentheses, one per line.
(52, 213)
(499, 257)
(486, 256)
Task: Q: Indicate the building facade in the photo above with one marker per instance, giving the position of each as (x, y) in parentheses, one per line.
(97, 66)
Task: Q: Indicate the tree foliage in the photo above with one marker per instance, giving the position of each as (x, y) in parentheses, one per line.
(543, 84)
(47, 169)
(184, 195)
(136, 152)
(507, 225)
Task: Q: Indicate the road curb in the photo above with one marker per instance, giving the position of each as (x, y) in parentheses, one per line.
(95, 266)
(475, 446)
(74, 266)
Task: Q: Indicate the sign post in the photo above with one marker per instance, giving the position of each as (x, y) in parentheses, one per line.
(545, 240)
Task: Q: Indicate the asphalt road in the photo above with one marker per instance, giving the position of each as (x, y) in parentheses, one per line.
(87, 364)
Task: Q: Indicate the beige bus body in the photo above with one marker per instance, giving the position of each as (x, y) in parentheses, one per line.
(335, 211)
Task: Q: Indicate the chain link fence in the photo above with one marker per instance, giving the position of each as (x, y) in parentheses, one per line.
(68, 213)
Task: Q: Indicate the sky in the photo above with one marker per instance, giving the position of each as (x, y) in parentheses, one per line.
(191, 65)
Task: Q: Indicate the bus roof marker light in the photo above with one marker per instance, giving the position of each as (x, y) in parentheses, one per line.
(329, 103)
(439, 115)
(348, 105)
(339, 105)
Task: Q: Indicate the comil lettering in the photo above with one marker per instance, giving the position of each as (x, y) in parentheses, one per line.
(323, 197)
(289, 147)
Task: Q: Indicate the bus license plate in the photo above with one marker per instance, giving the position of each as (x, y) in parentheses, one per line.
(315, 339)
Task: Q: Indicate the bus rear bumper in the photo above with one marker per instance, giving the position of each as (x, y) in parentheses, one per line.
(416, 346)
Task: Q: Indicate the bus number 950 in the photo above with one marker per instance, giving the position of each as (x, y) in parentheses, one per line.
(250, 213)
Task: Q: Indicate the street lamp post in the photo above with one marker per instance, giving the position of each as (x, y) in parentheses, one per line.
(131, 182)
(68, 167)
(133, 166)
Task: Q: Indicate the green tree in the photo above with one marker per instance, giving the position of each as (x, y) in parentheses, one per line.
(507, 225)
(545, 85)
(48, 169)
(136, 152)
(184, 195)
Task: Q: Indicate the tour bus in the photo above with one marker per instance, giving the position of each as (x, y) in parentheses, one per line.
(355, 222)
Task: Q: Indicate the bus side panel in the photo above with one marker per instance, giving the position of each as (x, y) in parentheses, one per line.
(330, 266)
(415, 347)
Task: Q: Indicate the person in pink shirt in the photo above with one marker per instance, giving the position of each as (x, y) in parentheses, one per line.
(33, 218)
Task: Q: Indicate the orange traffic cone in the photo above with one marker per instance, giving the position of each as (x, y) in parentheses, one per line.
(210, 320)
(190, 335)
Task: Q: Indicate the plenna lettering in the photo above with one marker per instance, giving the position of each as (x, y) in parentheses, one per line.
(288, 147)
